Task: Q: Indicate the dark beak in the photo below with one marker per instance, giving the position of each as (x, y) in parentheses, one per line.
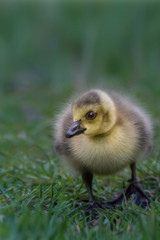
(75, 129)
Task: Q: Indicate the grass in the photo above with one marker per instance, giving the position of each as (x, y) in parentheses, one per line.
(38, 199)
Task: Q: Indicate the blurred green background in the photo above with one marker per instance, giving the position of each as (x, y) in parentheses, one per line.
(67, 46)
(49, 51)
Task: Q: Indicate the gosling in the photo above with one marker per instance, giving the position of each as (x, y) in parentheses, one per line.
(101, 133)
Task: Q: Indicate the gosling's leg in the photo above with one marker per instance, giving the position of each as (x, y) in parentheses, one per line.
(87, 178)
(133, 173)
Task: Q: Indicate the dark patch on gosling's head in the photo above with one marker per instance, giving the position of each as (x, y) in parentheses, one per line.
(89, 98)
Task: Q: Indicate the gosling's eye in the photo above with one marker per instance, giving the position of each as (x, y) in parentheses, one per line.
(91, 115)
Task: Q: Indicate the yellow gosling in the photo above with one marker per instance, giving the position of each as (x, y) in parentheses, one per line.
(101, 133)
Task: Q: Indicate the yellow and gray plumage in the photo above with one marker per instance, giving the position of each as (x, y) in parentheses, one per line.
(101, 133)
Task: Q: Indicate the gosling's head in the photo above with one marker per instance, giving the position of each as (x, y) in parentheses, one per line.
(94, 114)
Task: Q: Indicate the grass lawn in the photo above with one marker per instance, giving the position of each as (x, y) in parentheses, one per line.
(44, 59)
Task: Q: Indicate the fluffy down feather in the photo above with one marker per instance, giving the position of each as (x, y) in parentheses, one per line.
(120, 134)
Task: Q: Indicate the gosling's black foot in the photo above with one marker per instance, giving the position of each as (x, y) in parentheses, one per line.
(92, 207)
(133, 191)
(140, 197)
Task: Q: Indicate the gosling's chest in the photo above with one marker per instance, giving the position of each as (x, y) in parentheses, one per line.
(103, 156)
